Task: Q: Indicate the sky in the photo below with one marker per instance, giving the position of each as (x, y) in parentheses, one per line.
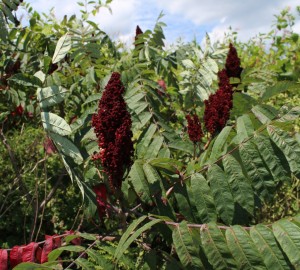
(185, 19)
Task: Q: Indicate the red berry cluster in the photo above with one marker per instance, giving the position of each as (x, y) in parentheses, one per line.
(10, 69)
(219, 104)
(19, 110)
(194, 128)
(217, 108)
(163, 87)
(112, 125)
(138, 31)
(233, 63)
(101, 198)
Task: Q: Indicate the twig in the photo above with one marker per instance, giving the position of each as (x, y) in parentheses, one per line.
(36, 211)
(45, 195)
(12, 157)
(82, 254)
(52, 191)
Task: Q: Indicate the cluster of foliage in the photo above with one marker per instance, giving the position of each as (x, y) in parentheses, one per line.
(160, 158)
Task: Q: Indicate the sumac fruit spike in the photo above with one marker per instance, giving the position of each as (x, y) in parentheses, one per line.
(194, 128)
(233, 63)
(138, 32)
(101, 198)
(112, 126)
(218, 106)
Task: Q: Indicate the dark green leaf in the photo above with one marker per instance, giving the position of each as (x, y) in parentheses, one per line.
(215, 248)
(239, 183)
(244, 128)
(222, 193)
(62, 48)
(51, 95)
(186, 249)
(126, 243)
(54, 254)
(243, 249)
(259, 175)
(273, 161)
(202, 198)
(264, 113)
(288, 145)
(26, 80)
(55, 124)
(219, 144)
(139, 182)
(278, 88)
(288, 236)
(269, 249)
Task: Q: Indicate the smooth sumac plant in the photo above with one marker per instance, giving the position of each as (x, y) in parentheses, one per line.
(152, 199)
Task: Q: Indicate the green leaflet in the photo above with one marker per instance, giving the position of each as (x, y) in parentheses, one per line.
(202, 198)
(54, 254)
(291, 115)
(271, 159)
(154, 180)
(3, 29)
(186, 147)
(92, 98)
(172, 165)
(184, 202)
(186, 249)
(215, 248)
(33, 266)
(239, 183)
(211, 65)
(145, 140)
(126, 241)
(55, 124)
(129, 230)
(141, 107)
(157, 191)
(219, 144)
(7, 12)
(133, 100)
(288, 236)
(164, 153)
(40, 75)
(222, 193)
(261, 179)
(26, 80)
(243, 249)
(244, 128)
(67, 147)
(139, 182)
(288, 145)
(279, 87)
(154, 147)
(187, 63)
(264, 113)
(267, 246)
(144, 118)
(100, 260)
(242, 103)
(62, 48)
(85, 264)
(51, 95)
(75, 176)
